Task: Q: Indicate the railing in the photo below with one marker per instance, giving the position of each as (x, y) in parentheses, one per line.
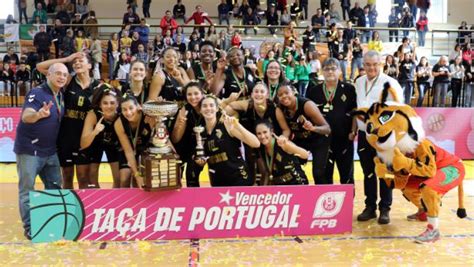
(443, 48)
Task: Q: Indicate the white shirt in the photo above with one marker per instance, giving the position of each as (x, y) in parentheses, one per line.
(369, 92)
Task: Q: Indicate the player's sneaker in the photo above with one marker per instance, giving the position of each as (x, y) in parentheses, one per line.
(419, 216)
(430, 235)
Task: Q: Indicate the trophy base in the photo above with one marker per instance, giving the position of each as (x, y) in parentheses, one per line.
(160, 171)
(160, 150)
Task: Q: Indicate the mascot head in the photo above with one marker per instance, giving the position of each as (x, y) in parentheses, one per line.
(391, 124)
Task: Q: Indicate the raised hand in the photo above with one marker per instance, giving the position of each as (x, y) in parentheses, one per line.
(221, 63)
(44, 111)
(99, 127)
(182, 116)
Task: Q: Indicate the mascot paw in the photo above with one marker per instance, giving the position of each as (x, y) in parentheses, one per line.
(380, 168)
(461, 213)
(400, 161)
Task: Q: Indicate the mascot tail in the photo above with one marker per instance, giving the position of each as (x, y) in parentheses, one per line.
(461, 212)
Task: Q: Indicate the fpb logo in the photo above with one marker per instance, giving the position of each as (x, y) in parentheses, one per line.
(328, 205)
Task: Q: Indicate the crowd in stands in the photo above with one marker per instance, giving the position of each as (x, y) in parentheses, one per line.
(298, 53)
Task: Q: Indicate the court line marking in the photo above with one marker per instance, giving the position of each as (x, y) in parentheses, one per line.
(292, 239)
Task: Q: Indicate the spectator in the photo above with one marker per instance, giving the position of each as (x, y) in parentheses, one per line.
(180, 32)
(212, 35)
(122, 69)
(281, 5)
(455, 53)
(57, 35)
(393, 22)
(295, 11)
(63, 15)
(22, 10)
(82, 43)
(23, 79)
(457, 71)
(179, 11)
(390, 68)
(285, 18)
(223, 10)
(318, 21)
(180, 46)
(135, 42)
(423, 74)
(194, 40)
(290, 69)
(168, 23)
(325, 5)
(236, 40)
(333, 13)
(41, 13)
(7, 78)
(250, 19)
(82, 8)
(315, 66)
(130, 17)
(349, 32)
(11, 55)
(143, 32)
(96, 55)
(422, 28)
(199, 17)
(469, 95)
(168, 39)
(367, 21)
(158, 45)
(77, 21)
(463, 34)
(142, 54)
(272, 19)
(375, 43)
(304, 7)
(92, 31)
(441, 81)
(309, 40)
(467, 53)
(146, 8)
(243, 8)
(303, 70)
(406, 76)
(356, 15)
(125, 42)
(40, 120)
(10, 20)
(406, 21)
(340, 51)
(413, 10)
(67, 45)
(290, 35)
(356, 50)
(133, 4)
(70, 8)
(406, 47)
(222, 42)
(42, 42)
(345, 6)
(113, 52)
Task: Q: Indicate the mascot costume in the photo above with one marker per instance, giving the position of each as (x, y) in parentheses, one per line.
(408, 161)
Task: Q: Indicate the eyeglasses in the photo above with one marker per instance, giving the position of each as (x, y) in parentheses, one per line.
(328, 69)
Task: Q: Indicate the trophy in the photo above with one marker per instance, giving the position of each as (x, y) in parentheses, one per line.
(199, 147)
(160, 164)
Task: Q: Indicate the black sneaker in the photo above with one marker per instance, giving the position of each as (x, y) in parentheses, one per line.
(384, 217)
(366, 215)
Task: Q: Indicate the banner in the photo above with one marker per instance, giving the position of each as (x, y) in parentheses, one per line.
(9, 33)
(9, 119)
(221, 212)
(449, 128)
(28, 31)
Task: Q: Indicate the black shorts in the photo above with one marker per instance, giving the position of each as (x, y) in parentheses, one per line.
(123, 162)
(97, 150)
(70, 154)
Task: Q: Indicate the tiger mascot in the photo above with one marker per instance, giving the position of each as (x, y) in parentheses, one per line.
(408, 161)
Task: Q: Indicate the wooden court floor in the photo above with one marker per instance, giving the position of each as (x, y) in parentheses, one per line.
(369, 244)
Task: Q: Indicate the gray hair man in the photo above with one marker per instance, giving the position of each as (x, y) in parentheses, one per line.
(368, 89)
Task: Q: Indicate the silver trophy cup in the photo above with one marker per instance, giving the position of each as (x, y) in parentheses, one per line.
(161, 110)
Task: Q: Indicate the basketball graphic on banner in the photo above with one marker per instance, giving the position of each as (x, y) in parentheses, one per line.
(56, 215)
